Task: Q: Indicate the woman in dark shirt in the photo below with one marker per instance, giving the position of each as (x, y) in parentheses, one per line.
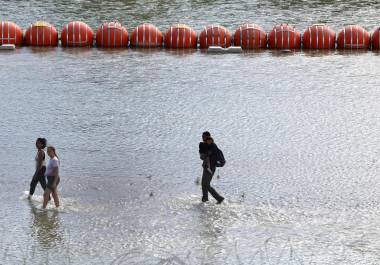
(39, 174)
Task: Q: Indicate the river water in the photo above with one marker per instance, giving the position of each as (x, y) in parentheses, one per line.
(300, 132)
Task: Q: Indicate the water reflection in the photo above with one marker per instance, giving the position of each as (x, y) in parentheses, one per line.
(43, 51)
(352, 52)
(147, 51)
(211, 230)
(113, 51)
(77, 52)
(376, 52)
(285, 52)
(180, 52)
(254, 52)
(318, 53)
(45, 227)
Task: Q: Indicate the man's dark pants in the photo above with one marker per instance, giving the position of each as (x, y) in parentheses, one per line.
(206, 187)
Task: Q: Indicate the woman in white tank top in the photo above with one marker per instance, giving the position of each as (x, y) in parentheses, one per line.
(39, 174)
(52, 175)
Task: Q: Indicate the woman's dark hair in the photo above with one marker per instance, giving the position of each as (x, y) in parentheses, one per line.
(42, 141)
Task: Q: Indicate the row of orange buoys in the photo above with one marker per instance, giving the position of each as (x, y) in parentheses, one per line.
(180, 36)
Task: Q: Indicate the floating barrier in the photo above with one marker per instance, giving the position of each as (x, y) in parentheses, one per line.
(7, 47)
(318, 36)
(214, 35)
(77, 34)
(111, 35)
(353, 37)
(10, 33)
(180, 36)
(218, 49)
(375, 38)
(41, 34)
(284, 36)
(146, 36)
(250, 36)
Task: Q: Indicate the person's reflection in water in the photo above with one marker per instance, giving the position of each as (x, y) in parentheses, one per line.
(46, 227)
(212, 233)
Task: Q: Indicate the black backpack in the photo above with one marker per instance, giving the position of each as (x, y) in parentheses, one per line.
(220, 161)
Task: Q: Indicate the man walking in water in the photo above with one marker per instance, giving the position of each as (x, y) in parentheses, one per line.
(208, 153)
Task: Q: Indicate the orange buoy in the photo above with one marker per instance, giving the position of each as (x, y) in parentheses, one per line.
(180, 36)
(284, 36)
(318, 36)
(41, 33)
(375, 38)
(353, 37)
(146, 36)
(250, 36)
(111, 35)
(10, 33)
(214, 35)
(77, 34)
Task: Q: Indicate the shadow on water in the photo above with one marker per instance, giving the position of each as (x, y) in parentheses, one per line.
(45, 227)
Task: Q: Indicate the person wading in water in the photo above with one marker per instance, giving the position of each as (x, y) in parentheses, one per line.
(39, 174)
(52, 175)
(208, 152)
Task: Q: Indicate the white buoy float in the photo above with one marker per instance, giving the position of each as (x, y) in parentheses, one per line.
(7, 47)
(231, 49)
